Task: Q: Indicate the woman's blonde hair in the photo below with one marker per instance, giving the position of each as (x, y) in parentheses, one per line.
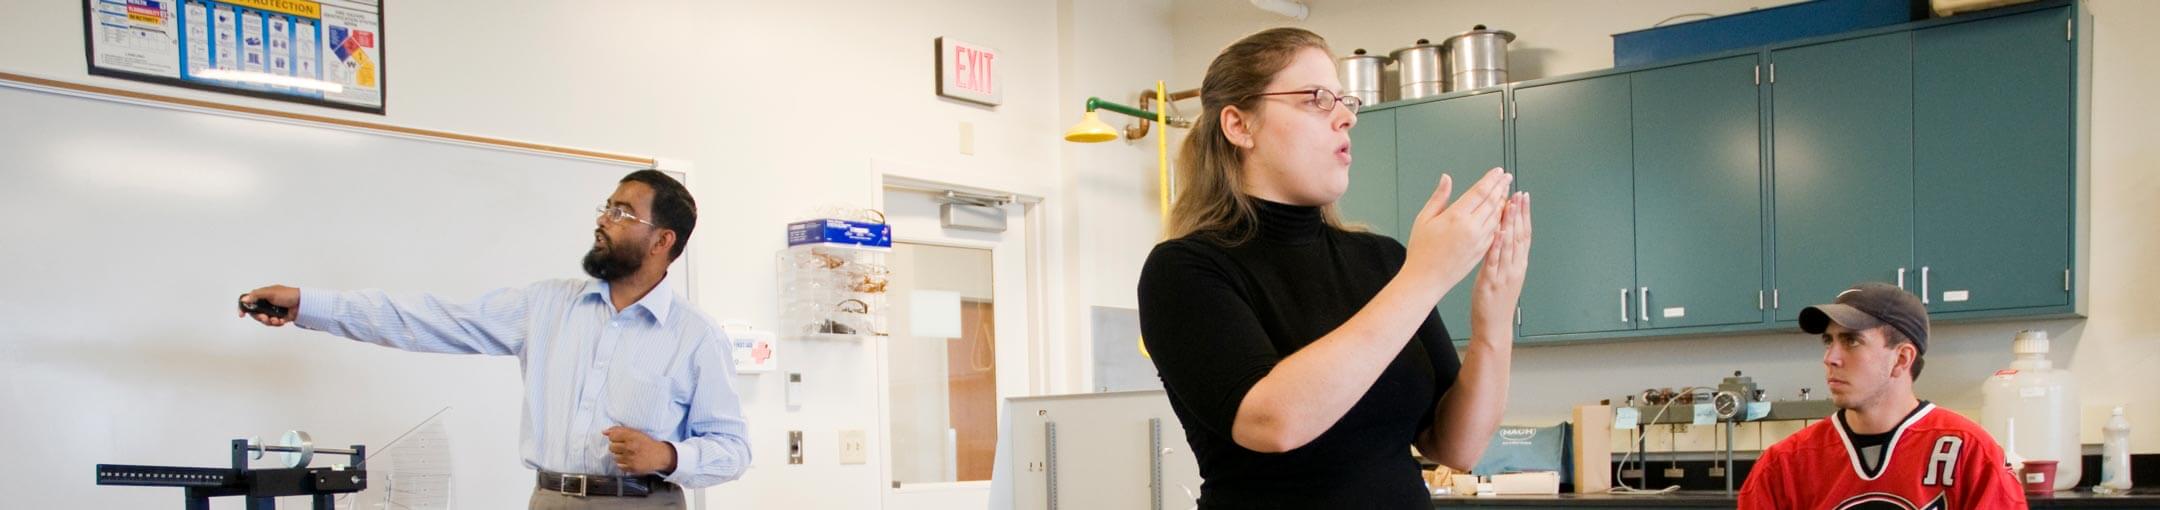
(1211, 199)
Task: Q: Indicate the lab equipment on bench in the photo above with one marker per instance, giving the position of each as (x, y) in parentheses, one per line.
(261, 487)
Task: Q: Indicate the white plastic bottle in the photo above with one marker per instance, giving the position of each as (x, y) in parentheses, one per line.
(2115, 455)
(2044, 403)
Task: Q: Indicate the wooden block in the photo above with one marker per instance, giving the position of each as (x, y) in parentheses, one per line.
(1593, 449)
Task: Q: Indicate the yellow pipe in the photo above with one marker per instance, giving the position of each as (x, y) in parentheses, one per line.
(1162, 153)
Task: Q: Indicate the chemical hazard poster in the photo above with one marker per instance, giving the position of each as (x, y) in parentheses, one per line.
(327, 52)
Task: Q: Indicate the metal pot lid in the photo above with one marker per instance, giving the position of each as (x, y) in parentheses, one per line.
(1479, 30)
(1419, 45)
(1360, 54)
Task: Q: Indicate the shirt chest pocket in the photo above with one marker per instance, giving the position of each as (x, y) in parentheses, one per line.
(644, 401)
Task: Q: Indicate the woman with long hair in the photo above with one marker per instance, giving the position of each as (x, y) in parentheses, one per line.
(1303, 355)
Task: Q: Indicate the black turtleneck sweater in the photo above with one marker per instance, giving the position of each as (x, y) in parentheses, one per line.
(1217, 318)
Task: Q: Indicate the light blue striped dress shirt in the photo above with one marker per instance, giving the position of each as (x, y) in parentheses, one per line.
(661, 366)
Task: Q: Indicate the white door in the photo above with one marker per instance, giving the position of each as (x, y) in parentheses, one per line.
(960, 343)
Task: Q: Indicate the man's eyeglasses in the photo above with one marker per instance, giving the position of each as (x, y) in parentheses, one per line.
(618, 214)
(1323, 99)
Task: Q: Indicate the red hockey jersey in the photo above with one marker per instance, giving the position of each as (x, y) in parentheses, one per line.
(1935, 460)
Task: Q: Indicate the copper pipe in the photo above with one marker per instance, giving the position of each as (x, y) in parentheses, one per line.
(1148, 99)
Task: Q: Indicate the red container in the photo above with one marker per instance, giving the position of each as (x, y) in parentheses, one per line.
(2039, 476)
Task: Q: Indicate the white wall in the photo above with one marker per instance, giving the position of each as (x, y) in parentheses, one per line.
(1112, 50)
(782, 106)
(2112, 351)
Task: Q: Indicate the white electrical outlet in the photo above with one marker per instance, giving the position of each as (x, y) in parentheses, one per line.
(854, 447)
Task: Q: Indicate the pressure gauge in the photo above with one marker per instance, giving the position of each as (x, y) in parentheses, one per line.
(1727, 403)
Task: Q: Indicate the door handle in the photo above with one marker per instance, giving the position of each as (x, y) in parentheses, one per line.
(1623, 305)
(1901, 278)
(1642, 305)
(1924, 285)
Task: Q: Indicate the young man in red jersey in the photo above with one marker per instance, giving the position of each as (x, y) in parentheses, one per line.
(1885, 448)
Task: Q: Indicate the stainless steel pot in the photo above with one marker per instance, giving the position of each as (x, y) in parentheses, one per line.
(1421, 69)
(1478, 58)
(1361, 75)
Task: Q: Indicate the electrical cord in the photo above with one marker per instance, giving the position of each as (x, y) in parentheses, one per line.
(1623, 487)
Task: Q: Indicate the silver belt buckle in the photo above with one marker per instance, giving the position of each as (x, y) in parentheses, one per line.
(565, 489)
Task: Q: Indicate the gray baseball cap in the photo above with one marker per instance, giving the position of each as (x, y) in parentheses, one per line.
(1868, 305)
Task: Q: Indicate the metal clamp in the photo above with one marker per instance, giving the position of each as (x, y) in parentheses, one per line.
(565, 488)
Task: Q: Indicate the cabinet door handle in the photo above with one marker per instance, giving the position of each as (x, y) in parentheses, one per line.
(1623, 305)
(1642, 305)
(1924, 285)
(1901, 278)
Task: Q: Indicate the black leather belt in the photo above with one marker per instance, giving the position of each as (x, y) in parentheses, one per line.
(598, 485)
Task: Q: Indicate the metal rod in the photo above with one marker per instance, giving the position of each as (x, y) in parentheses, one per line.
(1050, 464)
(1730, 471)
(296, 449)
(1096, 103)
(1155, 484)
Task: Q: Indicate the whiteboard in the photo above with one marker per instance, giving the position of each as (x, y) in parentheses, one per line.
(130, 229)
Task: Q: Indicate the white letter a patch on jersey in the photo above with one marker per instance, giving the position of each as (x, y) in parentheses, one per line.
(1942, 461)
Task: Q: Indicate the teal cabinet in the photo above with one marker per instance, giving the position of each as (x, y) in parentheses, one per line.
(1370, 200)
(1723, 195)
(1993, 164)
(1461, 137)
(1842, 168)
(1698, 194)
(1573, 154)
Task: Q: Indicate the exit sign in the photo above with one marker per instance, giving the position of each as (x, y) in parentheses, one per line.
(968, 72)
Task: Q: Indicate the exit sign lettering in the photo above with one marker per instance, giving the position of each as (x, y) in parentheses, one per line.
(969, 72)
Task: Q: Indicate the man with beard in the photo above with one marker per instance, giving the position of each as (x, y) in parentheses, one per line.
(627, 397)
(1884, 448)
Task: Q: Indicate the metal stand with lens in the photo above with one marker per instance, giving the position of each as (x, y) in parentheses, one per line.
(261, 487)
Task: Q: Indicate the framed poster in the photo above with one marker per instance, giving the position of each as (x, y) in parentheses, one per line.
(320, 52)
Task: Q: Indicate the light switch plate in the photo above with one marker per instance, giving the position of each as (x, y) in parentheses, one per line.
(967, 138)
(794, 447)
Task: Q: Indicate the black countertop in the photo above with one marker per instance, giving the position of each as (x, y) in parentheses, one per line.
(2138, 498)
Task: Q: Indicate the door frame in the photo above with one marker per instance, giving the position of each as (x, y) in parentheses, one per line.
(1020, 274)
